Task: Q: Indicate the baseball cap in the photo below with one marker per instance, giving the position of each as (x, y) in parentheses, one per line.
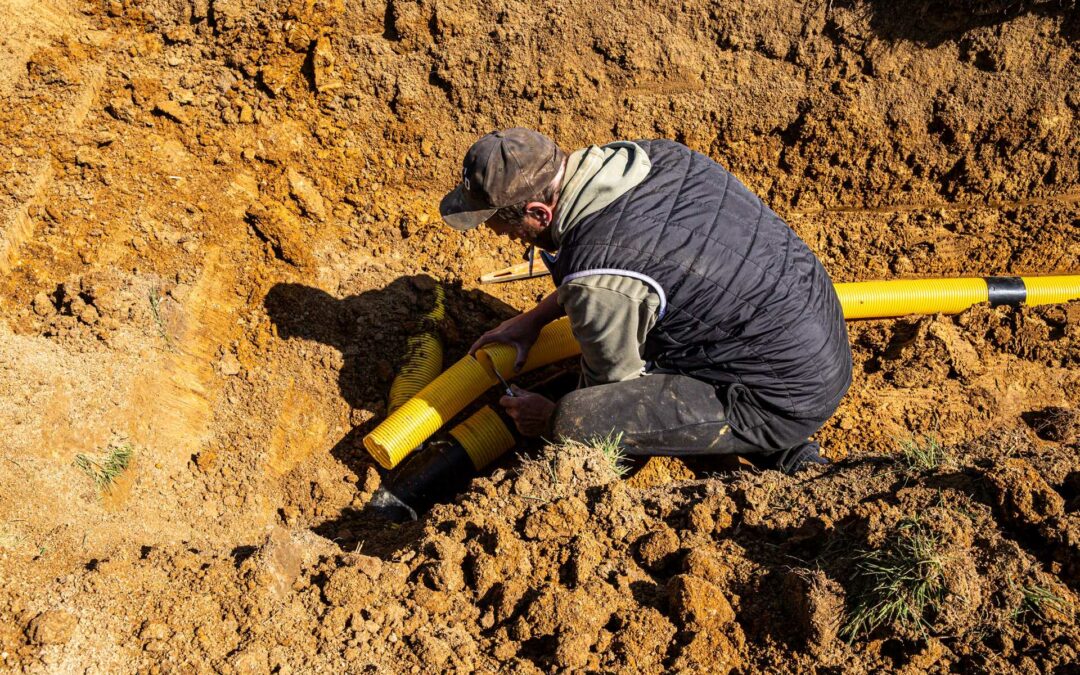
(501, 169)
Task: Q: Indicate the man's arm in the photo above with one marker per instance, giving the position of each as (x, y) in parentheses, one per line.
(610, 316)
(547, 310)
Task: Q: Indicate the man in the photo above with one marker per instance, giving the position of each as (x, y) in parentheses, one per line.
(706, 325)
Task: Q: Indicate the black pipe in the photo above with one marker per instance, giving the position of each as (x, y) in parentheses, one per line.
(433, 474)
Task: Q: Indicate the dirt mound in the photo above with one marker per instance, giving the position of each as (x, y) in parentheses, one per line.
(218, 230)
(562, 565)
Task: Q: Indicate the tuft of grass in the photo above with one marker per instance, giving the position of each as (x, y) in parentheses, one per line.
(610, 446)
(925, 453)
(105, 472)
(1040, 601)
(903, 582)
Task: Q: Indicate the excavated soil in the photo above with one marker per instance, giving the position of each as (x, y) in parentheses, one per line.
(218, 228)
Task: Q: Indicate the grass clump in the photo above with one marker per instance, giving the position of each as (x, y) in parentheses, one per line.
(117, 458)
(610, 446)
(925, 453)
(903, 582)
(1040, 601)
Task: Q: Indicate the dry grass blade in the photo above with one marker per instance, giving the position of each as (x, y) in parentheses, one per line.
(611, 447)
(924, 453)
(1040, 601)
(105, 472)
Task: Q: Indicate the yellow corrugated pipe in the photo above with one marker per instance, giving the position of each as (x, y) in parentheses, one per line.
(1052, 290)
(423, 415)
(880, 299)
(484, 437)
(885, 299)
(423, 359)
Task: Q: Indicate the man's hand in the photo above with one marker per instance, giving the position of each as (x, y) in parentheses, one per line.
(520, 332)
(531, 412)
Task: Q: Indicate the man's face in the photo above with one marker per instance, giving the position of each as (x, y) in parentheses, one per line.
(533, 230)
(526, 231)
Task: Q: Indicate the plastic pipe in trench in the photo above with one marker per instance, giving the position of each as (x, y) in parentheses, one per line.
(484, 436)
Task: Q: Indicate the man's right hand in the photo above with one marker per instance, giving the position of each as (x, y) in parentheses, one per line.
(520, 332)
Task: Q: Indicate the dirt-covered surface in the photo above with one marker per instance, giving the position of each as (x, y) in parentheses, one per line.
(218, 227)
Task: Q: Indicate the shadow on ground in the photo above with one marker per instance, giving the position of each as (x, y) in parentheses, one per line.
(370, 330)
(932, 22)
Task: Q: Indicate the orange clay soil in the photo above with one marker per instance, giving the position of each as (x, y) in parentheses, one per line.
(218, 227)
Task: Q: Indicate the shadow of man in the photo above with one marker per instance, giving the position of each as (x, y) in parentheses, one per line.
(370, 330)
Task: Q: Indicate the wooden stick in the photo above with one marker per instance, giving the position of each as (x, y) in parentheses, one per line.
(515, 272)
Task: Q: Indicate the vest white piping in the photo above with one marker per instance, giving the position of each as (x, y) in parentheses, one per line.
(652, 283)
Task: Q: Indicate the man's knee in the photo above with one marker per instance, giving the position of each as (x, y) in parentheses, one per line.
(575, 416)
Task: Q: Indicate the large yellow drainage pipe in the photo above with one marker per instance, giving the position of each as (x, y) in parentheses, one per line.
(420, 417)
(885, 299)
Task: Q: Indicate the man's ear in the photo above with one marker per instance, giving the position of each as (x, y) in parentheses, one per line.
(540, 211)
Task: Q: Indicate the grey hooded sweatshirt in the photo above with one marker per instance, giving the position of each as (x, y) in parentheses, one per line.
(610, 315)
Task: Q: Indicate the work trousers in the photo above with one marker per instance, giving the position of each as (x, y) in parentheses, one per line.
(668, 414)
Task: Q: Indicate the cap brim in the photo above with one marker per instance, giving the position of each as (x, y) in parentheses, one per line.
(461, 212)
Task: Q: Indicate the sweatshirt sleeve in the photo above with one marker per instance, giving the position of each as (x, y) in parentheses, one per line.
(610, 316)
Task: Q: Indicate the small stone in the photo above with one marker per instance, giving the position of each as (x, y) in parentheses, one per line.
(138, 243)
(153, 630)
(181, 34)
(229, 365)
(52, 627)
(656, 548)
(252, 659)
(290, 514)
(43, 306)
(247, 115)
(171, 110)
(698, 604)
(274, 78)
(205, 459)
(87, 156)
(306, 195)
(322, 60)
(121, 108)
(89, 315)
(427, 148)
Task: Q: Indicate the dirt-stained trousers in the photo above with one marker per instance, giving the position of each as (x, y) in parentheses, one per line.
(666, 414)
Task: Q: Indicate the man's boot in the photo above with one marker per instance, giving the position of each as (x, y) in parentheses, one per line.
(794, 459)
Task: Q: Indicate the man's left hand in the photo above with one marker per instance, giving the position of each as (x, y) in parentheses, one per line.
(531, 412)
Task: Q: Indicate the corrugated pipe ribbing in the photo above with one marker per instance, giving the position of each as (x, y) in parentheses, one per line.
(423, 357)
(484, 436)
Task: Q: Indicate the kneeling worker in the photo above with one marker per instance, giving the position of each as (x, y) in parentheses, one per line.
(706, 325)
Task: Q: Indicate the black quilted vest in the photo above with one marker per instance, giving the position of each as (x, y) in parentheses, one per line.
(746, 302)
